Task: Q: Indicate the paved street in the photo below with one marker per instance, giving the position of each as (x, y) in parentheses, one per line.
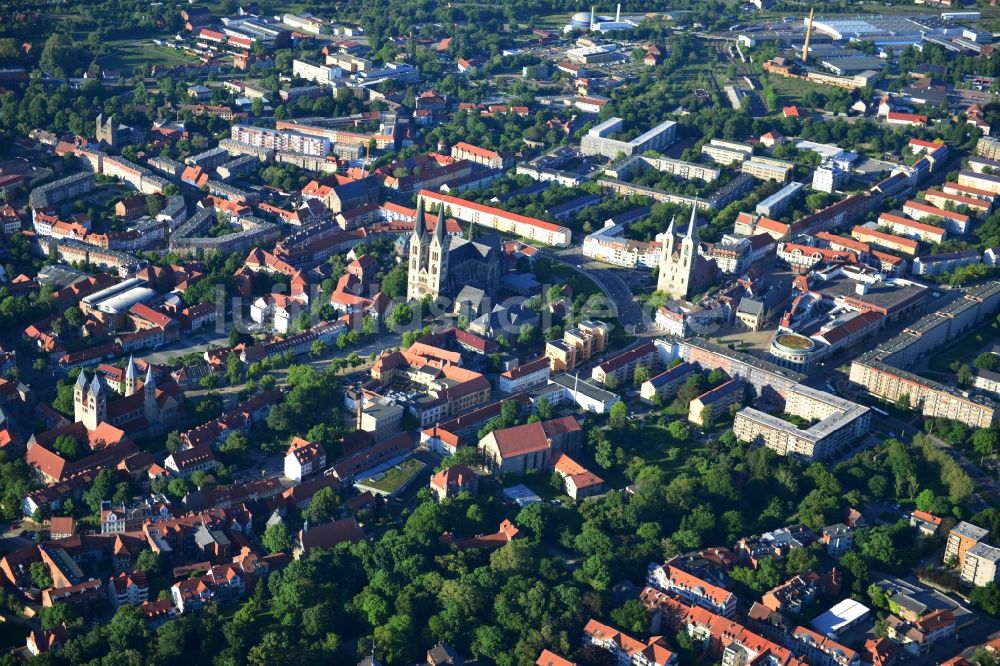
(612, 281)
(187, 344)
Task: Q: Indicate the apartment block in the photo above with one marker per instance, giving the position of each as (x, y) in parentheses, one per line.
(577, 345)
(765, 168)
(619, 370)
(829, 176)
(956, 223)
(961, 538)
(885, 240)
(899, 224)
(261, 137)
(988, 147)
(979, 566)
(727, 153)
(61, 190)
(981, 181)
(499, 219)
(714, 403)
(664, 386)
(682, 169)
(475, 154)
(838, 423)
(598, 140)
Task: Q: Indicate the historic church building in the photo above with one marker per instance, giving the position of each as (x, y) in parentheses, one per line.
(142, 408)
(683, 271)
(440, 265)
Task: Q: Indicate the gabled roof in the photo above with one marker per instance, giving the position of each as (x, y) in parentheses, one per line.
(455, 476)
(330, 534)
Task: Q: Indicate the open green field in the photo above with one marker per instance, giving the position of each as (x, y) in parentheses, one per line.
(793, 91)
(554, 21)
(129, 55)
(393, 479)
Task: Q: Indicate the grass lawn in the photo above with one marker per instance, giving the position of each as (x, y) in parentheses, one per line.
(129, 55)
(553, 21)
(619, 336)
(793, 91)
(540, 484)
(395, 478)
(963, 348)
(580, 283)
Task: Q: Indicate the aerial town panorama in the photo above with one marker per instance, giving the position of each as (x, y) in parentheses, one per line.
(515, 333)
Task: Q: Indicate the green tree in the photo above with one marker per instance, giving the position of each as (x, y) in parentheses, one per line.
(678, 431)
(641, 376)
(128, 629)
(544, 409)
(986, 598)
(277, 538)
(235, 445)
(631, 617)
(148, 562)
(68, 447)
(987, 361)
(394, 282)
(801, 560)
(40, 576)
(234, 369)
(707, 418)
(526, 334)
(618, 417)
(57, 615)
(984, 441)
(322, 507)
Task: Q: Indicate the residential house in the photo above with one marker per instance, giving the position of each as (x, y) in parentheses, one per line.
(918, 637)
(628, 651)
(453, 480)
(304, 458)
(694, 590)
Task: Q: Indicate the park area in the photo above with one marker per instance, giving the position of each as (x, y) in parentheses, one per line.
(127, 55)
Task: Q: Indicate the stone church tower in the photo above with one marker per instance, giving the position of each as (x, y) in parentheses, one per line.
(131, 383)
(90, 404)
(150, 409)
(679, 261)
(428, 257)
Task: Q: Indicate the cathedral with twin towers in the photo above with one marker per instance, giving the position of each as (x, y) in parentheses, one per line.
(440, 265)
(139, 408)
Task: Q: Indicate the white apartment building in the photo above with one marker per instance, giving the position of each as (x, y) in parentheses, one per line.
(979, 566)
(598, 139)
(500, 220)
(261, 137)
(727, 153)
(829, 176)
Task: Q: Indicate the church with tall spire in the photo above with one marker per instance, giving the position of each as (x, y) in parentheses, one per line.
(141, 406)
(441, 265)
(683, 272)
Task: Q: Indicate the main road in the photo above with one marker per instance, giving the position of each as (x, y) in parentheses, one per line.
(609, 280)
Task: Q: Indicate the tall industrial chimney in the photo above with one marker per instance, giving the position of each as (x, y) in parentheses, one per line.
(618, 13)
(591, 18)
